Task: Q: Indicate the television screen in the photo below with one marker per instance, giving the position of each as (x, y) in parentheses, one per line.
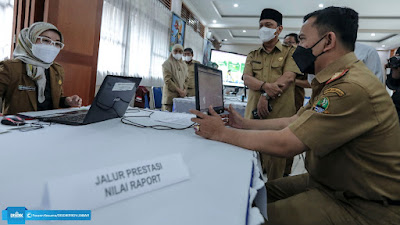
(232, 66)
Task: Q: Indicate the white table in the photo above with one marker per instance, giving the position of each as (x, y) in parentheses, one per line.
(217, 192)
(183, 105)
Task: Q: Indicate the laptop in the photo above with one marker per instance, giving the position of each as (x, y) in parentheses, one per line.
(209, 88)
(111, 101)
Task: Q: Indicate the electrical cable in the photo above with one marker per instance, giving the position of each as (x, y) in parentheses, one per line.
(125, 120)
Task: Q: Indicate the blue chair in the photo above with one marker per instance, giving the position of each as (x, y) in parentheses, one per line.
(146, 101)
(157, 94)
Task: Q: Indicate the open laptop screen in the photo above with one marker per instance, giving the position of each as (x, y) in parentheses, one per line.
(209, 89)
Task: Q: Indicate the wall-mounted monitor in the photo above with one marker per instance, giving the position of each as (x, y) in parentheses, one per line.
(231, 64)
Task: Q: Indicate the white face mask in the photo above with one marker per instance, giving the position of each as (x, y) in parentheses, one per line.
(177, 56)
(46, 53)
(266, 34)
(187, 58)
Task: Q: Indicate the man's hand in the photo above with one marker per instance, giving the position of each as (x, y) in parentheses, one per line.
(233, 119)
(182, 93)
(210, 127)
(262, 107)
(273, 89)
(73, 101)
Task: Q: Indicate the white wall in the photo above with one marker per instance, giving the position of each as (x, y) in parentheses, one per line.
(176, 7)
(240, 48)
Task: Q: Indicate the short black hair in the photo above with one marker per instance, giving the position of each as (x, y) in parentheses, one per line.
(340, 20)
(294, 35)
(188, 50)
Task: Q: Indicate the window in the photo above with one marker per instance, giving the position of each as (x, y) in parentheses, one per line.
(192, 21)
(166, 3)
(133, 42)
(6, 22)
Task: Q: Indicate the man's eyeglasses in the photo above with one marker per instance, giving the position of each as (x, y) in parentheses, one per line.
(48, 41)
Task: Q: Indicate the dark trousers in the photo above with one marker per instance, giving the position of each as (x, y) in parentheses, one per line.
(396, 101)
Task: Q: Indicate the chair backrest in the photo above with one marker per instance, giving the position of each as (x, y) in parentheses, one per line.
(157, 94)
(142, 97)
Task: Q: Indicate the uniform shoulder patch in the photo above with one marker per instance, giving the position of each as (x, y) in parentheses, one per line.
(337, 76)
(322, 105)
(337, 91)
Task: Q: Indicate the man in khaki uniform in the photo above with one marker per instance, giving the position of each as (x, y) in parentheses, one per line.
(270, 72)
(301, 82)
(349, 131)
(188, 58)
(175, 73)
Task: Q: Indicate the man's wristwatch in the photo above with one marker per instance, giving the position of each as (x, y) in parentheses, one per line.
(265, 95)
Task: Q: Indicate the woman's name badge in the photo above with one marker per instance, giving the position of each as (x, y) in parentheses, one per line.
(26, 88)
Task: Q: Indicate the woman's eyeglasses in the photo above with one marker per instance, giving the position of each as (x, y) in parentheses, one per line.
(48, 41)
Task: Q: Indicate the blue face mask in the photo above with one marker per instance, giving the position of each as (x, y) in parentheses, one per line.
(305, 59)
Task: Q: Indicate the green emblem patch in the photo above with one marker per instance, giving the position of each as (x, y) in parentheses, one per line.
(322, 105)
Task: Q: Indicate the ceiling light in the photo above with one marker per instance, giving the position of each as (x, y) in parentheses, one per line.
(383, 46)
(244, 31)
(235, 5)
(373, 34)
(225, 39)
(321, 5)
(214, 21)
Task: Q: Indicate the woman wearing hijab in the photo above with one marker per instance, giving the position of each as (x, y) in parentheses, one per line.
(32, 81)
(175, 73)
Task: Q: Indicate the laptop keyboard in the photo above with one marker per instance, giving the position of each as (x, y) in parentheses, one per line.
(74, 117)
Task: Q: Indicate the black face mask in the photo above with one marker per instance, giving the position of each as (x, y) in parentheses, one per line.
(305, 59)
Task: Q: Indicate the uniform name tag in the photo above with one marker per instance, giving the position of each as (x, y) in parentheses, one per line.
(26, 88)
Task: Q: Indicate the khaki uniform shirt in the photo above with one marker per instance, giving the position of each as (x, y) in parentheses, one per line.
(18, 91)
(175, 73)
(190, 81)
(269, 67)
(351, 128)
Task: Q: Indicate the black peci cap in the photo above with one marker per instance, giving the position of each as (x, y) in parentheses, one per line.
(271, 14)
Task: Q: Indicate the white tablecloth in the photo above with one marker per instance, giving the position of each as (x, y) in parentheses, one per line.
(183, 105)
(218, 191)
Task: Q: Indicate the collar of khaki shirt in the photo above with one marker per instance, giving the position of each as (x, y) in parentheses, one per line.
(278, 46)
(337, 66)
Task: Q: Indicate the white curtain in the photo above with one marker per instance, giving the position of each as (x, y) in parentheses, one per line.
(194, 41)
(134, 40)
(6, 21)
